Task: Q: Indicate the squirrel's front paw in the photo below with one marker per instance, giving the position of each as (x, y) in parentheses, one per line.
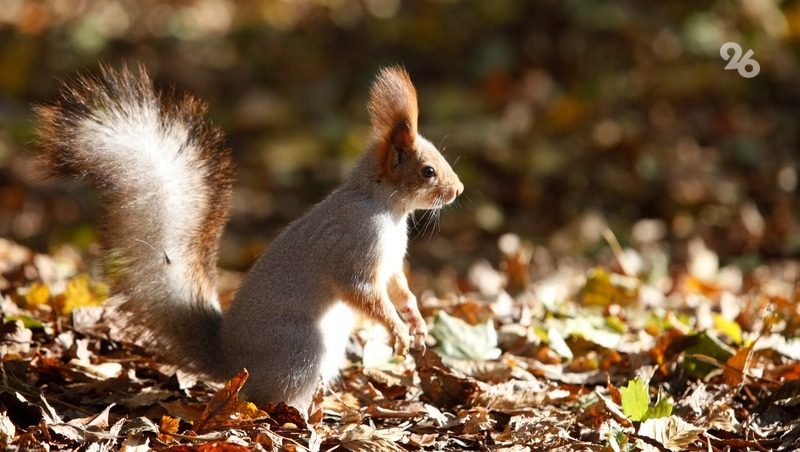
(416, 326)
(419, 332)
(400, 343)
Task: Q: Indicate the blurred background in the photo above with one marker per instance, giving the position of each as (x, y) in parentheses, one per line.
(561, 117)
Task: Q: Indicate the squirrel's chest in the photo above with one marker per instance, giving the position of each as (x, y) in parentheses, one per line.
(392, 245)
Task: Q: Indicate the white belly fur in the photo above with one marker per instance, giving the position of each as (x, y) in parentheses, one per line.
(393, 244)
(337, 324)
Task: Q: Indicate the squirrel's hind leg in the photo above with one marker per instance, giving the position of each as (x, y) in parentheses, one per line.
(284, 361)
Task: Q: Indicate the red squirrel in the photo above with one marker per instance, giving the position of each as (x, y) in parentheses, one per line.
(165, 181)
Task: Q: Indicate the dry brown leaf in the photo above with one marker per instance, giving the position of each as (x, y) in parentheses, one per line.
(362, 438)
(440, 384)
(787, 372)
(222, 406)
(98, 421)
(737, 365)
(422, 440)
(672, 432)
(215, 446)
(168, 425)
(339, 403)
(285, 415)
(613, 408)
(101, 371)
(189, 412)
(147, 396)
(516, 261)
(505, 369)
(538, 428)
(16, 339)
(723, 418)
(402, 410)
(512, 395)
(471, 311)
(476, 420)
(390, 384)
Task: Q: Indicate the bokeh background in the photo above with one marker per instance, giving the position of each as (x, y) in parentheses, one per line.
(561, 117)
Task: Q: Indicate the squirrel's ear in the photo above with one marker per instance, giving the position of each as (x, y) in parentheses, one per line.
(393, 108)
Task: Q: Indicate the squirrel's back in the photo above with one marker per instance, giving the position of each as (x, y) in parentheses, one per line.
(166, 183)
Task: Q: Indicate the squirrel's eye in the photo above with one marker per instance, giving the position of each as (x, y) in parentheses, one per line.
(428, 172)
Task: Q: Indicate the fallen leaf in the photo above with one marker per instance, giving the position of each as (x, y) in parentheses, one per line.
(168, 425)
(37, 294)
(635, 399)
(728, 328)
(7, 431)
(391, 385)
(556, 343)
(735, 370)
(672, 432)
(80, 292)
(283, 414)
(604, 289)
(16, 339)
(458, 339)
(476, 420)
(221, 408)
(662, 407)
(513, 395)
(440, 384)
(709, 345)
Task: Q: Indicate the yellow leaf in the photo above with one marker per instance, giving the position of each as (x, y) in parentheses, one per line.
(38, 294)
(728, 328)
(168, 425)
(603, 288)
(598, 290)
(248, 410)
(79, 294)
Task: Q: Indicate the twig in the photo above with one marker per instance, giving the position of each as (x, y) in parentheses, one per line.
(616, 248)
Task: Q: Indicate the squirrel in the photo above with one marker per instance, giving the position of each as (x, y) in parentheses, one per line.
(165, 180)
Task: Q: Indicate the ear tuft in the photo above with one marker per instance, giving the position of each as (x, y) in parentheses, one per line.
(393, 107)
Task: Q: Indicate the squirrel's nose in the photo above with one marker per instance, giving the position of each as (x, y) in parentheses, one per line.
(459, 189)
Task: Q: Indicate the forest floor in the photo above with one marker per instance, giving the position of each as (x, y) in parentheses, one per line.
(533, 352)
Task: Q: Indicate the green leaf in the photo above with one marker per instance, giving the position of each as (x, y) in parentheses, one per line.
(707, 344)
(458, 339)
(635, 399)
(662, 408)
(27, 322)
(616, 324)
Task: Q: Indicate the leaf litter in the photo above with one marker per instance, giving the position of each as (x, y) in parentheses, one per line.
(620, 352)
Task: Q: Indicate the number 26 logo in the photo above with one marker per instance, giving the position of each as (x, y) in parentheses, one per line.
(745, 65)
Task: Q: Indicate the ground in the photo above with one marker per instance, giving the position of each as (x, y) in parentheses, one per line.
(530, 352)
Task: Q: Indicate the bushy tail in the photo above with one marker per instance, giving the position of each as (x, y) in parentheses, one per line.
(165, 181)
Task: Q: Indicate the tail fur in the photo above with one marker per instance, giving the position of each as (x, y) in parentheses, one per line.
(165, 181)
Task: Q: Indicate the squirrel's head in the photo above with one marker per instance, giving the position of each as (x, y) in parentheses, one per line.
(416, 172)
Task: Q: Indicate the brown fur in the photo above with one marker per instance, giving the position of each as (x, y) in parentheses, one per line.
(393, 103)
